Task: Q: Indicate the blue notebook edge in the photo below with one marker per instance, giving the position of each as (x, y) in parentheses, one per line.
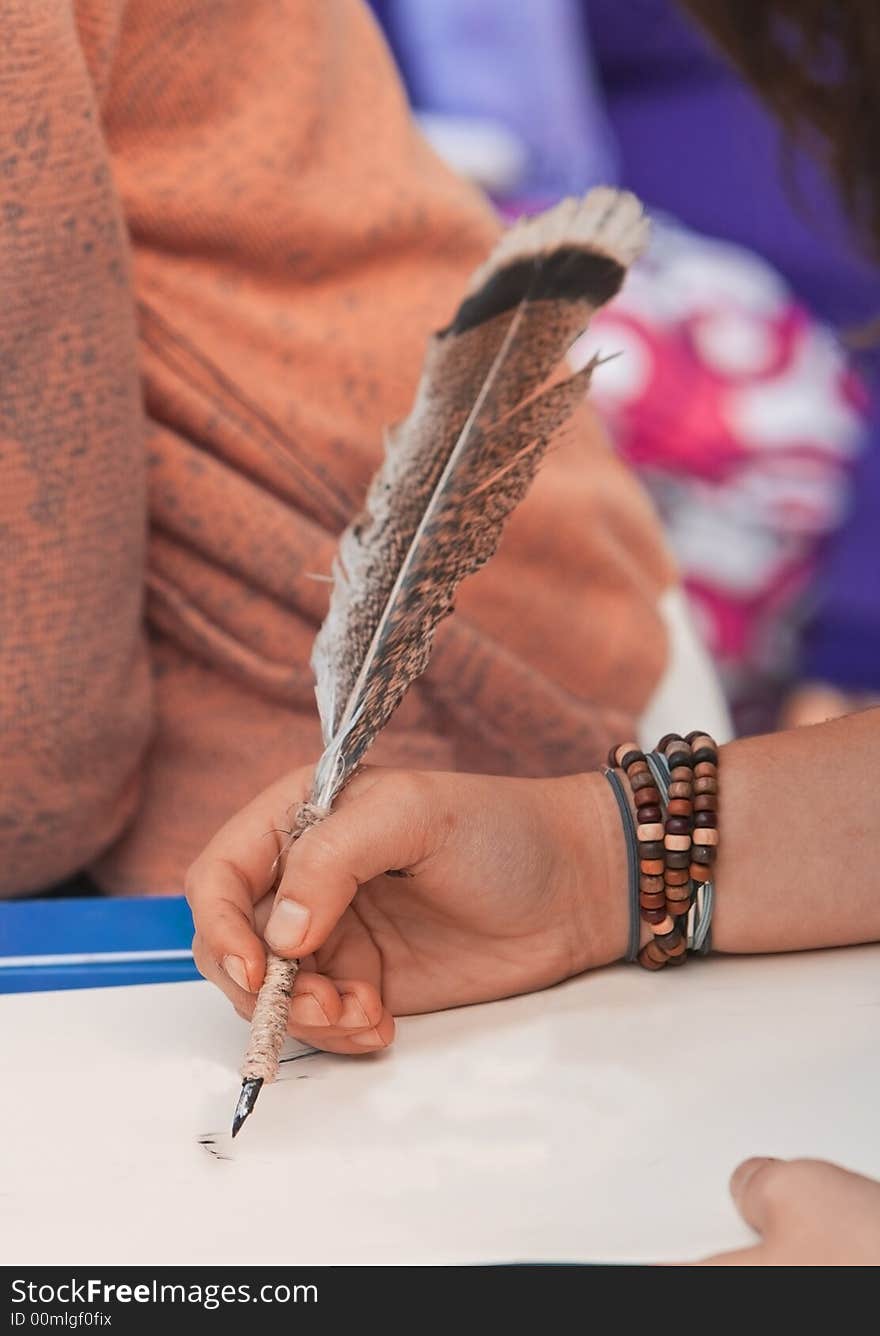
(94, 942)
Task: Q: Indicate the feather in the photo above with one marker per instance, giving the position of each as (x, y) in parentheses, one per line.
(495, 390)
(485, 412)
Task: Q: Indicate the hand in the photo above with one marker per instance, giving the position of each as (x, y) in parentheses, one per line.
(507, 885)
(816, 702)
(808, 1213)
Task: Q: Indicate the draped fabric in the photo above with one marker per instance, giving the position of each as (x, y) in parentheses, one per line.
(222, 246)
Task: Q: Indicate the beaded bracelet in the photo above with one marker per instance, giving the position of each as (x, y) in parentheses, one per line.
(650, 834)
(705, 835)
(676, 846)
(699, 919)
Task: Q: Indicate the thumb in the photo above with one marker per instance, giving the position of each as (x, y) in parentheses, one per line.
(387, 822)
(757, 1185)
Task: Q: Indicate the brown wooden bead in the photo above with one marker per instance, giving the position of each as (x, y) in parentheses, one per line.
(700, 873)
(652, 915)
(651, 849)
(679, 789)
(651, 867)
(642, 781)
(666, 739)
(651, 957)
(657, 901)
(643, 797)
(624, 749)
(705, 784)
(706, 835)
(651, 830)
(678, 757)
(703, 853)
(638, 768)
(677, 843)
(678, 859)
(676, 876)
(650, 885)
(678, 908)
(706, 802)
(699, 739)
(651, 813)
(678, 825)
(677, 949)
(706, 755)
(681, 774)
(667, 936)
(646, 797)
(680, 807)
(702, 819)
(705, 770)
(663, 929)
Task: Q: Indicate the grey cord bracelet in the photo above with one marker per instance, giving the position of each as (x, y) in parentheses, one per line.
(632, 862)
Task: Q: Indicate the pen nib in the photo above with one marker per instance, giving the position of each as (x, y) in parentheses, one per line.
(250, 1088)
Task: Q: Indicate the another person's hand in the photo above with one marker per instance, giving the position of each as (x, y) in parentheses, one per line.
(817, 702)
(507, 886)
(807, 1212)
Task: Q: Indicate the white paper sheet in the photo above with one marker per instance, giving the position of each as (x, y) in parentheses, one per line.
(596, 1121)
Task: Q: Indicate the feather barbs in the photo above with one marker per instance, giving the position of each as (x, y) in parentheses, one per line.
(491, 397)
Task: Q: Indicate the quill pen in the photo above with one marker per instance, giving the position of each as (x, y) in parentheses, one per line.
(495, 389)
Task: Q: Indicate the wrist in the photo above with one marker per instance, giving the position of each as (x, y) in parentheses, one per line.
(591, 837)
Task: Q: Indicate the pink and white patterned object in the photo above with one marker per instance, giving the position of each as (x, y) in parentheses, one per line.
(742, 418)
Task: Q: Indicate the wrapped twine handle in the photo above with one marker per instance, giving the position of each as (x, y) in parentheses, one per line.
(269, 1024)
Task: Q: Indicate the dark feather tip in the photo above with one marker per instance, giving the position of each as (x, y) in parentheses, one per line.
(250, 1089)
(570, 273)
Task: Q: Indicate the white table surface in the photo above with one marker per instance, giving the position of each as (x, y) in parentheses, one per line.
(596, 1121)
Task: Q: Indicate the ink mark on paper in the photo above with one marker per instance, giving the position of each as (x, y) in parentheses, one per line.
(298, 1057)
(215, 1144)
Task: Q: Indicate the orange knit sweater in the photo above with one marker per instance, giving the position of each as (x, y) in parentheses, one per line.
(222, 246)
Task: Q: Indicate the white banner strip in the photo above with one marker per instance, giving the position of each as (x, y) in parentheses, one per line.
(93, 958)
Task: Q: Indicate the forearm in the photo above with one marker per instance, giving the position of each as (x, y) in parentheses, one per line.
(74, 685)
(798, 824)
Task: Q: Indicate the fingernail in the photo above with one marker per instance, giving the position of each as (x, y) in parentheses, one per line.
(234, 967)
(352, 1013)
(287, 926)
(746, 1171)
(307, 1010)
(369, 1040)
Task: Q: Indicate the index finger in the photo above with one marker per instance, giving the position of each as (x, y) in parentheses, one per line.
(234, 871)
